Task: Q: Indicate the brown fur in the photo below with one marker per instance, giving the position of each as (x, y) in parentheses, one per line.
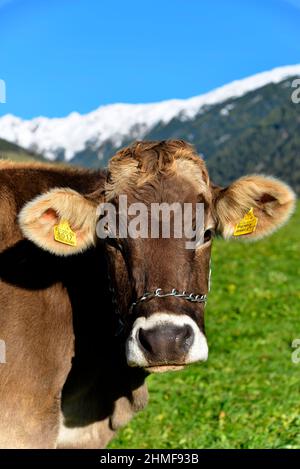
(37, 330)
(57, 391)
(273, 203)
(39, 217)
(143, 162)
(36, 322)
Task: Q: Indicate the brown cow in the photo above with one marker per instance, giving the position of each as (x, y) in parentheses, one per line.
(134, 305)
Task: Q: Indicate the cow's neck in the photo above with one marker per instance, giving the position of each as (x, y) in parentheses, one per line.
(99, 374)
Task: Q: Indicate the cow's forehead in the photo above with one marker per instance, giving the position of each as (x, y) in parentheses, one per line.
(130, 170)
(195, 174)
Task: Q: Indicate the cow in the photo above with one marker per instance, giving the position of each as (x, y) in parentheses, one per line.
(85, 318)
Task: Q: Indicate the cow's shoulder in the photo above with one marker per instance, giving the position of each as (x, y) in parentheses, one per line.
(21, 182)
(31, 178)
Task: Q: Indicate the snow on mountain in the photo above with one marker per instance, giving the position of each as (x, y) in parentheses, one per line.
(116, 122)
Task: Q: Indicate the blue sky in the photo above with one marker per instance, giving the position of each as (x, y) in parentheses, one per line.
(59, 56)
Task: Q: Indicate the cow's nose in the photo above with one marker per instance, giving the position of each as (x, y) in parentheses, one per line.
(166, 343)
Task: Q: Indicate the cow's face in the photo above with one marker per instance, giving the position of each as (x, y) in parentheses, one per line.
(163, 332)
(164, 329)
(153, 276)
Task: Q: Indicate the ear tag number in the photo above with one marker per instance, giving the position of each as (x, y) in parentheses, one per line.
(246, 225)
(64, 234)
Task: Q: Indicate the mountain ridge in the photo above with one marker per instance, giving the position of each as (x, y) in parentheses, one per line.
(13, 152)
(64, 138)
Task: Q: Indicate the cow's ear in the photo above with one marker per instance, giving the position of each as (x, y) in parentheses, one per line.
(61, 221)
(253, 207)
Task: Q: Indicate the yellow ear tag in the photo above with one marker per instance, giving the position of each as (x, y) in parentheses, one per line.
(64, 234)
(246, 225)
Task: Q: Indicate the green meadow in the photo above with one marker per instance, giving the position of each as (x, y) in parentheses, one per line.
(247, 395)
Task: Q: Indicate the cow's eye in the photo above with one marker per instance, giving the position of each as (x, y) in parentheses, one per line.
(114, 243)
(208, 235)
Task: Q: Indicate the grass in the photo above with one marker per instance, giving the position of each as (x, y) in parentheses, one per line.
(19, 157)
(247, 395)
(11, 151)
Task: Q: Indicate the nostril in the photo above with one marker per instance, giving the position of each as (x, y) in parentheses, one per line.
(186, 337)
(142, 338)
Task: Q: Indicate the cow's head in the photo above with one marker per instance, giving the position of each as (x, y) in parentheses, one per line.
(159, 283)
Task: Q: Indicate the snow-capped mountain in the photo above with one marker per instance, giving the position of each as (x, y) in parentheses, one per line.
(64, 138)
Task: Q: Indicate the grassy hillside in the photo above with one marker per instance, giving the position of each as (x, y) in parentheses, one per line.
(248, 393)
(258, 132)
(10, 151)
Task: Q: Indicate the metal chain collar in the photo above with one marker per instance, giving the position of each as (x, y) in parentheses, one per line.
(158, 293)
